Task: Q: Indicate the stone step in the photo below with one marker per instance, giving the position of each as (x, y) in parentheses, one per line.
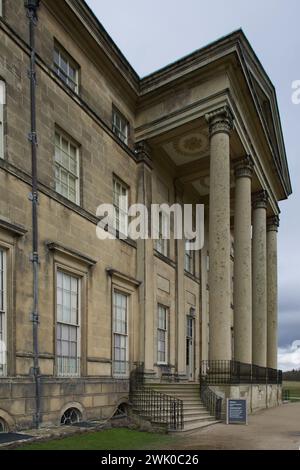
(194, 419)
(194, 408)
(195, 414)
(200, 413)
(192, 401)
(177, 387)
(197, 425)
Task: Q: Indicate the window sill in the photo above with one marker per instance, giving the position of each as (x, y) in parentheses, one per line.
(65, 85)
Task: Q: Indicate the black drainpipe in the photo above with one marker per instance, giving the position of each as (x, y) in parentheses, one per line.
(32, 7)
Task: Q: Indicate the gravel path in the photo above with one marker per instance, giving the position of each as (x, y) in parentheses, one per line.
(273, 429)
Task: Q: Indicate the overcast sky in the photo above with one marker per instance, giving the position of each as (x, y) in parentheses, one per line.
(153, 34)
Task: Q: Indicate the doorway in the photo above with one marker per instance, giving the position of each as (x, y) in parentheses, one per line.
(190, 348)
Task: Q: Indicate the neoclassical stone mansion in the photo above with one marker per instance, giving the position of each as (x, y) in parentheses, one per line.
(90, 326)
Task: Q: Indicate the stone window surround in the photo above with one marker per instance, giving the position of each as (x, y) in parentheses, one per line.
(75, 264)
(124, 121)
(162, 245)
(68, 364)
(9, 234)
(189, 260)
(66, 78)
(167, 330)
(3, 312)
(2, 111)
(126, 187)
(77, 176)
(120, 333)
(128, 286)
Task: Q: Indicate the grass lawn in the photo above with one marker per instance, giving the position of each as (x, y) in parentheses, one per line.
(112, 439)
(293, 387)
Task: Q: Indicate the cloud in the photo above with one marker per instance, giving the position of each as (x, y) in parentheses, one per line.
(289, 357)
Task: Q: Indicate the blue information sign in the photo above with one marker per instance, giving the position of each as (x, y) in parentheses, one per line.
(237, 411)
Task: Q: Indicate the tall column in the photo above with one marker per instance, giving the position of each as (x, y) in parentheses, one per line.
(180, 305)
(220, 126)
(145, 264)
(259, 280)
(272, 293)
(242, 293)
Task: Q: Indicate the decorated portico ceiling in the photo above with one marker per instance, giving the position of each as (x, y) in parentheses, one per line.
(202, 184)
(187, 148)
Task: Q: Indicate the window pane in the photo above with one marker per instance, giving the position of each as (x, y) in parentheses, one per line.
(72, 73)
(66, 170)
(120, 201)
(63, 65)
(67, 330)
(3, 337)
(120, 126)
(56, 57)
(120, 313)
(162, 333)
(120, 349)
(2, 281)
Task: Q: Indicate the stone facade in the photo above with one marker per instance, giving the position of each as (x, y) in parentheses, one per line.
(188, 126)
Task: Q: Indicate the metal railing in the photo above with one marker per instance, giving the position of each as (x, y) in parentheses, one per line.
(212, 401)
(68, 366)
(156, 406)
(235, 372)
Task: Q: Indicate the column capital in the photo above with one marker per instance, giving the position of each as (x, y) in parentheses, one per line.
(220, 120)
(273, 223)
(243, 167)
(260, 200)
(143, 152)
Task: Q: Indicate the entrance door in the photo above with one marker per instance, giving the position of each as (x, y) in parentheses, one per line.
(190, 347)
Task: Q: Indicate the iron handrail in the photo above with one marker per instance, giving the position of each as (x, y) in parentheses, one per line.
(212, 401)
(156, 406)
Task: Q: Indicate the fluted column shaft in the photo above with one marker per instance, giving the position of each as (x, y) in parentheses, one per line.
(220, 125)
(272, 291)
(243, 262)
(259, 280)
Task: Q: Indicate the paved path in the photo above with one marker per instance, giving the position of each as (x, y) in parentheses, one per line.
(273, 429)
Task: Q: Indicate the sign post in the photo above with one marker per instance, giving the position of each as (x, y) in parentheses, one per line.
(236, 411)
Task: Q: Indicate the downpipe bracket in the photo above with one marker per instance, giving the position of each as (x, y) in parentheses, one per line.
(34, 258)
(32, 76)
(33, 197)
(32, 137)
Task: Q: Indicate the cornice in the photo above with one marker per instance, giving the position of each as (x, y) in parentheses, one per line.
(100, 35)
(58, 248)
(114, 273)
(14, 229)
